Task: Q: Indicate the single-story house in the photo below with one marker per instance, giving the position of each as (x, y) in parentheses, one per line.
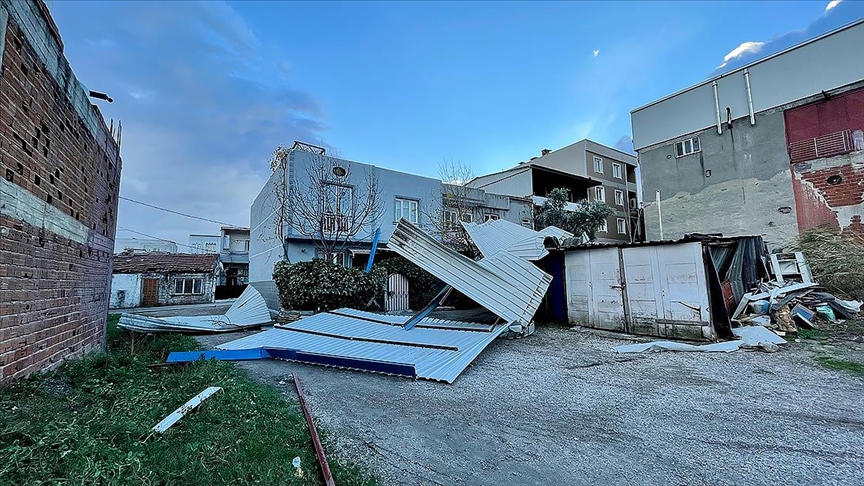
(151, 279)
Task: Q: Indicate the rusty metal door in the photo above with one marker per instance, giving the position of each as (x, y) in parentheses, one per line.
(150, 292)
(397, 293)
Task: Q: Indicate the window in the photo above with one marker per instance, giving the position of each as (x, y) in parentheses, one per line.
(226, 242)
(406, 208)
(490, 217)
(451, 218)
(598, 165)
(603, 228)
(245, 245)
(619, 198)
(622, 226)
(687, 147)
(616, 170)
(210, 247)
(188, 286)
(338, 201)
(468, 217)
(600, 193)
(526, 222)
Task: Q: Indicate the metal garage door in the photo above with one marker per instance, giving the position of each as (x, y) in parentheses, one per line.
(594, 289)
(667, 293)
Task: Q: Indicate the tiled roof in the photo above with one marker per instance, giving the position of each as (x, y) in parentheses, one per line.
(157, 262)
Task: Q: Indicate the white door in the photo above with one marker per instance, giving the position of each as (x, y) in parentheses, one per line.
(594, 289)
(397, 293)
(667, 291)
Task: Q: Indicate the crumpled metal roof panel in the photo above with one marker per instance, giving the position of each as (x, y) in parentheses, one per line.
(435, 354)
(509, 286)
(500, 235)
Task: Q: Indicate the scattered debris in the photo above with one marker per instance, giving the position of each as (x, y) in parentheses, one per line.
(754, 336)
(804, 316)
(249, 310)
(176, 415)
(316, 441)
(724, 347)
(497, 235)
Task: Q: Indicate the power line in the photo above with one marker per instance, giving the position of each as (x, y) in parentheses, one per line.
(154, 237)
(176, 212)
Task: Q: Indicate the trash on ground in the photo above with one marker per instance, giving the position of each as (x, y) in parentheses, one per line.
(804, 316)
(723, 347)
(825, 312)
(248, 311)
(176, 415)
(756, 335)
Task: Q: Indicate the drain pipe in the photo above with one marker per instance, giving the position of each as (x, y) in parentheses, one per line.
(717, 107)
(659, 215)
(749, 96)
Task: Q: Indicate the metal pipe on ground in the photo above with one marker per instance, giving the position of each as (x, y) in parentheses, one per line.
(316, 441)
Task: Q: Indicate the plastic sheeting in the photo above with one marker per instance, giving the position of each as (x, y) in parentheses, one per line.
(724, 347)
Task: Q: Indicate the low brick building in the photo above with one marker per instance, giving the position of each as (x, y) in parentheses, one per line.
(59, 179)
(152, 279)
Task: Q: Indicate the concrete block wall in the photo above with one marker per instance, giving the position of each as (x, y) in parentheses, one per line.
(59, 182)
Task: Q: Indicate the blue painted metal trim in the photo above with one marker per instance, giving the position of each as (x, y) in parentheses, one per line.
(393, 368)
(218, 354)
(374, 248)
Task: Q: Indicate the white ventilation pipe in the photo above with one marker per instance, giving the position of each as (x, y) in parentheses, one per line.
(749, 97)
(659, 215)
(717, 108)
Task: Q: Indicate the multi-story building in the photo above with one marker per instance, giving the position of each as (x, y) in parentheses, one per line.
(60, 167)
(771, 148)
(141, 245)
(420, 200)
(590, 171)
(232, 246)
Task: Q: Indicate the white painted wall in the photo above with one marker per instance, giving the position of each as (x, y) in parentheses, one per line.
(826, 63)
(131, 285)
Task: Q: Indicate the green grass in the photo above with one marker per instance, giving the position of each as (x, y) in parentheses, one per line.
(841, 364)
(814, 334)
(89, 423)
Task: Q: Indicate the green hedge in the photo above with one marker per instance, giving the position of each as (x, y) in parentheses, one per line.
(320, 285)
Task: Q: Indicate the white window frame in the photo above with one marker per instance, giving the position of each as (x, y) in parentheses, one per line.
(245, 245)
(600, 193)
(468, 217)
(490, 217)
(688, 146)
(622, 226)
(617, 170)
(406, 208)
(210, 247)
(526, 222)
(604, 227)
(619, 197)
(190, 283)
(596, 161)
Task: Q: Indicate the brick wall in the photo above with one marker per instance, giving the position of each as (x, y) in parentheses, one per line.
(830, 192)
(59, 181)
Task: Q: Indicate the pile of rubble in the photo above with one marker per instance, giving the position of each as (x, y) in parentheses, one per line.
(791, 300)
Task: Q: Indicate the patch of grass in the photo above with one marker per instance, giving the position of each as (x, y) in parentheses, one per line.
(89, 423)
(841, 364)
(814, 334)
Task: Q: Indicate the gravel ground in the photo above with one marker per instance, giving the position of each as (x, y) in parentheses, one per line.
(560, 408)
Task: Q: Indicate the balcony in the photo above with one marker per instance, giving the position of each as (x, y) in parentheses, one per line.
(836, 143)
(335, 223)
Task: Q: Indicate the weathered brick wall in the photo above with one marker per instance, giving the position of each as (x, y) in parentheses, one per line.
(166, 288)
(60, 171)
(830, 192)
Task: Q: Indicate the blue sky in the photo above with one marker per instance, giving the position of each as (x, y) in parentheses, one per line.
(206, 90)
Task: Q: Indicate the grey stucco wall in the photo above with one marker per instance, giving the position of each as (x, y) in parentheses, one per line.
(739, 184)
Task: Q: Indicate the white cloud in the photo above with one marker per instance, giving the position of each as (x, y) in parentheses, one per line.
(745, 47)
(832, 4)
(596, 52)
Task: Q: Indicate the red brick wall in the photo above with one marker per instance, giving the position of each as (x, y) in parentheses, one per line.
(818, 201)
(53, 290)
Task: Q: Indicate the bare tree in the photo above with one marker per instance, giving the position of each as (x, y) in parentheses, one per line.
(456, 203)
(324, 203)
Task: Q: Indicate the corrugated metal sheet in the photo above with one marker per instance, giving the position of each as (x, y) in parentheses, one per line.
(249, 310)
(428, 322)
(497, 235)
(434, 354)
(508, 286)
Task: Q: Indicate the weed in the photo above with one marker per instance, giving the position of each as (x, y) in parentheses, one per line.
(89, 423)
(841, 364)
